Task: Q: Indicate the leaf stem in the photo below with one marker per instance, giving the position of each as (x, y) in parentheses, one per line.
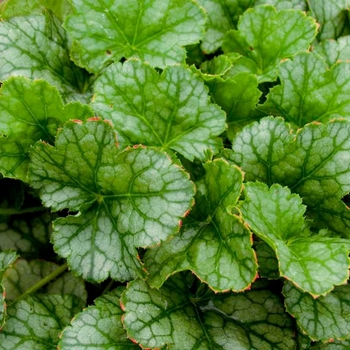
(42, 282)
(12, 211)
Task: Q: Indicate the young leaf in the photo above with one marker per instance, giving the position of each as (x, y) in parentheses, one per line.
(35, 323)
(171, 110)
(151, 30)
(36, 46)
(30, 111)
(332, 15)
(214, 245)
(276, 216)
(98, 327)
(266, 36)
(309, 91)
(126, 199)
(334, 51)
(238, 96)
(176, 316)
(6, 260)
(325, 318)
(222, 16)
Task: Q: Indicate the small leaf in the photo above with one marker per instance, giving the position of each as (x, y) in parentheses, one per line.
(214, 245)
(222, 16)
(238, 96)
(266, 36)
(151, 30)
(6, 260)
(36, 46)
(309, 91)
(325, 318)
(126, 199)
(24, 275)
(171, 110)
(276, 216)
(35, 323)
(182, 319)
(332, 16)
(98, 327)
(30, 111)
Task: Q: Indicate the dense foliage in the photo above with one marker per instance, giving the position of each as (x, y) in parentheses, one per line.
(175, 174)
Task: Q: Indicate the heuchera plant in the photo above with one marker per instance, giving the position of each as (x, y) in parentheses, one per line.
(175, 174)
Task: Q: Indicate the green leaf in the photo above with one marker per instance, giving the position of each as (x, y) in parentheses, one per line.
(312, 163)
(334, 51)
(309, 91)
(182, 319)
(267, 261)
(238, 96)
(23, 275)
(336, 345)
(214, 245)
(284, 4)
(276, 216)
(35, 323)
(222, 16)
(325, 318)
(126, 199)
(36, 46)
(151, 30)
(332, 16)
(171, 110)
(98, 327)
(6, 260)
(30, 111)
(28, 234)
(266, 36)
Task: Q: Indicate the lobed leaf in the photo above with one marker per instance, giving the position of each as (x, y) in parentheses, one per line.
(309, 91)
(36, 46)
(176, 317)
(266, 36)
(171, 110)
(325, 318)
(126, 199)
(151, 30)
(98, 326)
(214, 245)
(35, 323)
(334, 51)
(276, 216)
(284, 4)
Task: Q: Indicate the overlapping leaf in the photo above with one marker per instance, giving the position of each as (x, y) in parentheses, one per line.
(284, 4)
(171, 110)
(98, 327)
(213, 244)
(6, 260)
(265, 36)
(35, 323)
(332, 16)
(276, 216)
(30, 111)
(309, 91)
(151, 30)
(126, 199)
(185, 319)
(36, 46)
(222, 16)
(325, 318)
